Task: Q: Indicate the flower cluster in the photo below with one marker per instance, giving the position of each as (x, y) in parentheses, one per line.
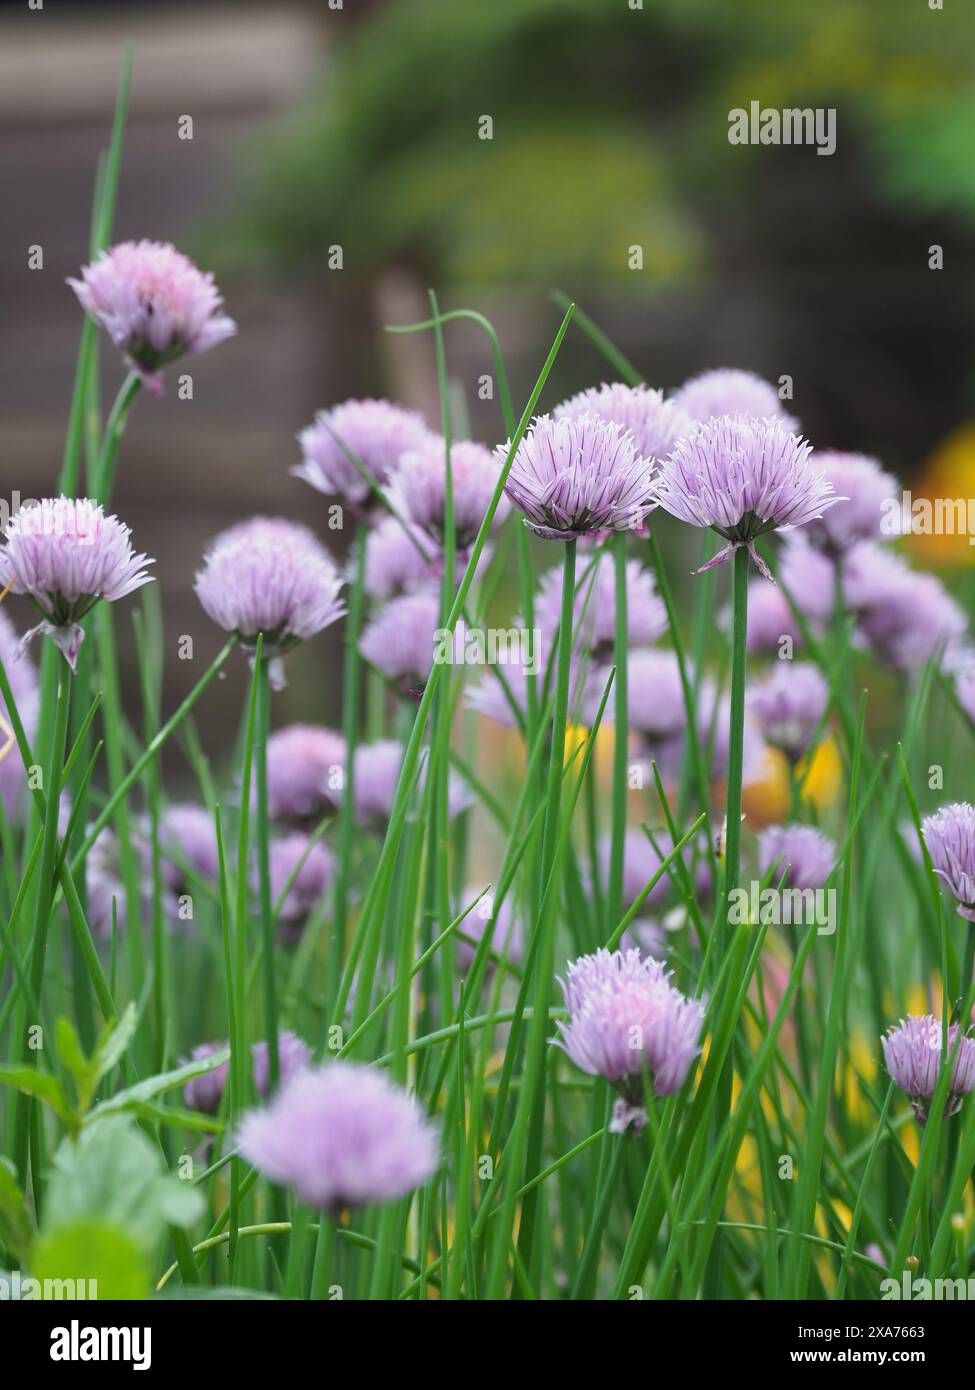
(627, 1019)
(154, 304)
(913, 1054)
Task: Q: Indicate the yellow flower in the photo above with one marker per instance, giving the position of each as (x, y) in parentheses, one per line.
(948, 474)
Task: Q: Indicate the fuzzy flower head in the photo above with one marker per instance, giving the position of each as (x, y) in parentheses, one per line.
(713, 724)
(950, 837)
(305, 773)
(377, 769)
(205, 1092)
(419, 487)
(655, 696)
(788, 705)
(907, 617)
(188, 839)
(343, 1136)
(654, 423)
(743, 475)
(22, 678)
(594, 604)
(305, 869)
(805, 854)
(398, 560)
(573, 477)
(728, 391)
(963, 670)
(868, 495)
(272, 576)
(912, 1055)
(65, 554)
(374, 433)
(642, 860)
(507, 935)
(625, 1016)
(490, 698)
(154, 304)
(405, 639)
(104, 887)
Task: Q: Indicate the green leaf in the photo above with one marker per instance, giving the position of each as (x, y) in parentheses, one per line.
(114, 1042)
(45, 1087)
(16, 1227)
(105, 1256)
(70, 1051)
(175, 1116)
(156, 1085)
(114, 1173)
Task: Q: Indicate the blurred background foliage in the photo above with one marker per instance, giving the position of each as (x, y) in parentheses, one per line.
(610, 128)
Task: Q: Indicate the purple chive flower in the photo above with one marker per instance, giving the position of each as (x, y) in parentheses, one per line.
(807, 854)
(343, 1136)
(641, 861)
(405, 638)
(377, 769)
(507, 936)
(376, 433)
(906, 617)
(418, 486)
(272, 576)
(950, 837)
(713, 723)
(625, 1016)
(577, 476)
(205, 1093)
(963, 670)
(655, 697)
(788, 706)
(104, 887)
(312, 867)
(397, 560)
(912, 1055)
(305, 773)
(154, 304)
(867, 492)
(294, 1056)
(743, 476)
(770, 618)
(654, 423)
(594, 622)
(66, 554)
(728, 391)
(22, 677)
(188, 840)
(810, 579)
(488, 696)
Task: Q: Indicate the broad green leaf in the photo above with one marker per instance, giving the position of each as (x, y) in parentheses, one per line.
(155, 1085)
(114, 1173)
(45, 1087)
(16, 1227)
(105, 1256)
